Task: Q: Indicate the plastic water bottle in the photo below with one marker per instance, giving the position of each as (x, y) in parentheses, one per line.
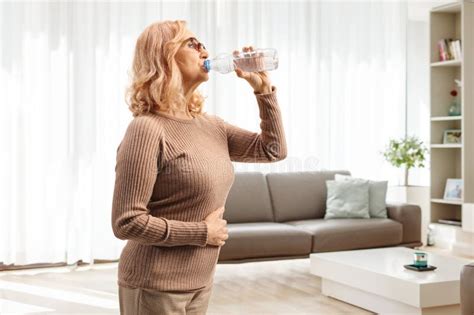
(252, 61)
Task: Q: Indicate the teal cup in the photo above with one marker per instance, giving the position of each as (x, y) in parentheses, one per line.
(420, 259)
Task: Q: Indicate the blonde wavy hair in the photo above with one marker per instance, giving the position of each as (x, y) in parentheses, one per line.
(156, 81)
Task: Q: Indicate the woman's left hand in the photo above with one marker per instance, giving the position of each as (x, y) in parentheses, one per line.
(260, 81)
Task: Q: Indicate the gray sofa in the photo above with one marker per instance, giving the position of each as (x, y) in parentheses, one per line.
(280, 215)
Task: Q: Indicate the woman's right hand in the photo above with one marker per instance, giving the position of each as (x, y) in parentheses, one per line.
(216, 228)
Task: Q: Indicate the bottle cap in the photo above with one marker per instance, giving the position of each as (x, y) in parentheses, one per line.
(207, 65)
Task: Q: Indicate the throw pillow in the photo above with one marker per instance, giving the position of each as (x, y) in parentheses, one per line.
(347, 199)
(377, 195)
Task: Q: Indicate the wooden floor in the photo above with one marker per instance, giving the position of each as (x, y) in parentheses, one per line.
(274, 287)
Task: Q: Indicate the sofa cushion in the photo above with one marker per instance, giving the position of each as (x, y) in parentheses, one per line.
(299, 195)
(347, 199)
(377, 195)
(348, 234)
(248, 199)
(264, 239)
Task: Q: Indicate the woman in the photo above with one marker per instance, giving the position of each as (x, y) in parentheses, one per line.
(174, 172)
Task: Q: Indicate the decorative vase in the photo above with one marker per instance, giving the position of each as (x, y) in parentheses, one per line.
(455, 108)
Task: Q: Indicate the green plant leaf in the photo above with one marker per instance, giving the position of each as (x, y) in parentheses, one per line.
(408, 152)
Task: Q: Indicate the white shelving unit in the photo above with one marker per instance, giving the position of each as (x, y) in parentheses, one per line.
(456, 21)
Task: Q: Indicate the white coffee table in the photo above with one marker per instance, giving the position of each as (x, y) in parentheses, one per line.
(375, 279)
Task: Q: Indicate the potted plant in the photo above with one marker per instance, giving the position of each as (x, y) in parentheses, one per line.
(406, 152)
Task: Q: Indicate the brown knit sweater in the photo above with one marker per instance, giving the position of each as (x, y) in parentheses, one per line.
(170, 174)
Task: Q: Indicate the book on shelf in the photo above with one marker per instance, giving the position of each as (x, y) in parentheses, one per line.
(449, 49)
(450, 221)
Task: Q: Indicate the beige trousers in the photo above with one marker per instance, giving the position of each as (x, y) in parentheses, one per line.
(141, 301)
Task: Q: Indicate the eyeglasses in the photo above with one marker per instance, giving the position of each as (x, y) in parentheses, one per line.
(194, 43)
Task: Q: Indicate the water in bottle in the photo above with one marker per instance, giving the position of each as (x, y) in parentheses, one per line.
(252, 61)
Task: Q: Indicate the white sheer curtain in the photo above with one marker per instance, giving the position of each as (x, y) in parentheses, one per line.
(63, 72)
(341, 79)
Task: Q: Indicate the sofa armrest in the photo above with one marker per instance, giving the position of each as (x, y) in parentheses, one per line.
(467, 289)
(410, 217)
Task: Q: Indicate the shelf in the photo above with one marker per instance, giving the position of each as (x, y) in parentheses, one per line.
(447, 146)
(444, 225)
(449, 63)
(448, 202)
(446, 118)
(454, 7)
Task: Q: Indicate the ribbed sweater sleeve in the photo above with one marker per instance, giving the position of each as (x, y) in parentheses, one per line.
(135, 176)
(267, 146)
